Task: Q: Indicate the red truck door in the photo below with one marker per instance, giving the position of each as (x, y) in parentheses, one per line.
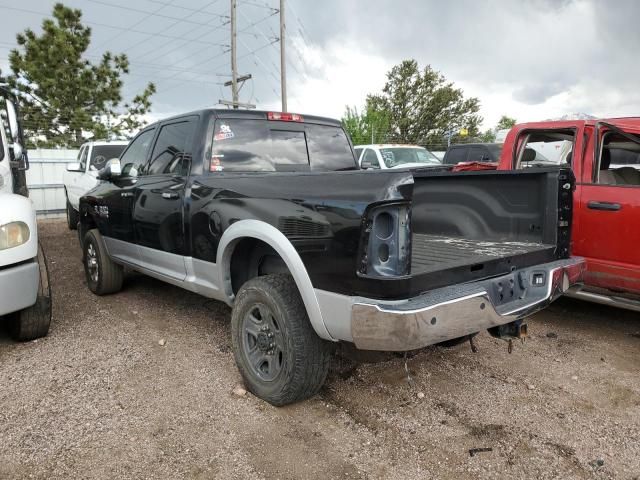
(607, 209)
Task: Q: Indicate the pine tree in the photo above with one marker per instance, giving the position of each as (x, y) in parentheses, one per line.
(66, 99)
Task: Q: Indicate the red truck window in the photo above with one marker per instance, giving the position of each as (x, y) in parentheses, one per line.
(544, 148)
(618, 161)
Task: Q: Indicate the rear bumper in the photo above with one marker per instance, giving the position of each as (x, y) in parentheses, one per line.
(453, 312)
(18, 287)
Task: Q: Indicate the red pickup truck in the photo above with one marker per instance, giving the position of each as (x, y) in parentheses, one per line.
(605, 157)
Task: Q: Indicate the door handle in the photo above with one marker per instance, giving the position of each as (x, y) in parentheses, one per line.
(170, 195)
(607, 206)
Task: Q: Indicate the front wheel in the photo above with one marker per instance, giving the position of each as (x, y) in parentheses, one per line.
(33, 322)
(280, 357)
(104, 276)
(72, 217)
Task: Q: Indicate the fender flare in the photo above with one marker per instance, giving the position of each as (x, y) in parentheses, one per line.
(275, 238)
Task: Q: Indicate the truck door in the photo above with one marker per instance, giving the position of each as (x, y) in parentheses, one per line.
(117, 202)
(608, 211)
(158, 215)
(73, 189)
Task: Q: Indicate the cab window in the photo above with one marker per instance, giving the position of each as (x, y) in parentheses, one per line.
(618, 161)
(82, 156)
(551, 148)
(456, 155)
(135, 156)
(371, 157)
(172, 151)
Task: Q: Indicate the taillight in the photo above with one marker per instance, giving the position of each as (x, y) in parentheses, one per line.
(387, 241)
(285, 117)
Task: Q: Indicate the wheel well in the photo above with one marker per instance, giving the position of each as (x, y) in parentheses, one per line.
(252, 258)
(85, 224)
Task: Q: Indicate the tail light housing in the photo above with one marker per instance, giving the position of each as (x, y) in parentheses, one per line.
(386, 241)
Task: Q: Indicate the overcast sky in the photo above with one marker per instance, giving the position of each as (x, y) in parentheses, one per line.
(529, 60)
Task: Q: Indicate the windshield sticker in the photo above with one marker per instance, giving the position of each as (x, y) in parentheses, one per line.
(388, 156)
(216, 163)
(224, 133)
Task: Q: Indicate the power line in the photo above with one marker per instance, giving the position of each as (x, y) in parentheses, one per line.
(219, 66)
(137, 23)
(137, 10)
(254, 4)
(122, 29)
(176, 23)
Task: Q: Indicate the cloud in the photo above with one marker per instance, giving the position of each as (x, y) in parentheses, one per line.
(529, 60)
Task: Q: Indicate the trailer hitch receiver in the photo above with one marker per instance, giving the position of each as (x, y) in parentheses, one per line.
(509, 331)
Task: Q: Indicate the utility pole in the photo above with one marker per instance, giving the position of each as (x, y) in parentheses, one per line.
(234, 63)
(235, 79)
(283, 66)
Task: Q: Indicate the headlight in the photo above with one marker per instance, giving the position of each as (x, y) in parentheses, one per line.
(13, 234)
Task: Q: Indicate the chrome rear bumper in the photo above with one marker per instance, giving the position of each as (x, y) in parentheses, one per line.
(453, 312)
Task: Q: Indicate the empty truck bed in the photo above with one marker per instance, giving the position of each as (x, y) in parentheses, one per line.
(432, 253)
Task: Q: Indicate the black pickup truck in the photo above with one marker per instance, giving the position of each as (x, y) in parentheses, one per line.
(269, 213)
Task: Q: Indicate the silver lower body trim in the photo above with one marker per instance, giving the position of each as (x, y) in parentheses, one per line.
(612, 299)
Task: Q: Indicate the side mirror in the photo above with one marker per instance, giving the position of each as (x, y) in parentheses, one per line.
(19, 155)
(73, 167)
(365, 165)
(111, 170)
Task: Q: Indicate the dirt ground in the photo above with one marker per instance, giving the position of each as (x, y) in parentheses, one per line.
(101, 398)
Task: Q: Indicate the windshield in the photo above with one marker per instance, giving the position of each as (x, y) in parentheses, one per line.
(101, 153)
(394, 157)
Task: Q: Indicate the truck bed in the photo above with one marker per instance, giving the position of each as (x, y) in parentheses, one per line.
(432, 253)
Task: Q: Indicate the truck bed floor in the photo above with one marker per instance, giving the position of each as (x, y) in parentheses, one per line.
(431, 253)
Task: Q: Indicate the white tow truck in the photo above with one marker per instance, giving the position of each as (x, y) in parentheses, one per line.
(25, 292)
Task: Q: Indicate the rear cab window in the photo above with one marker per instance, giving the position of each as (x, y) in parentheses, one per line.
(547, 148)
(618, 160)
(256, 145)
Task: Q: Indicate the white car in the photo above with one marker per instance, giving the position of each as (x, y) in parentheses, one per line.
(82, 176)
(384, 156)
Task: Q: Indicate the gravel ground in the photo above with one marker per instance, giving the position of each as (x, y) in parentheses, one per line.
(100, 397)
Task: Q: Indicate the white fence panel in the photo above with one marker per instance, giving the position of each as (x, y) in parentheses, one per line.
(44, 179)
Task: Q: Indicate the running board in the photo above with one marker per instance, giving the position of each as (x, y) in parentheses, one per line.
(611, 300)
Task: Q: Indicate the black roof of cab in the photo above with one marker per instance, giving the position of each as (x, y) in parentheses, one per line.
(250, 114)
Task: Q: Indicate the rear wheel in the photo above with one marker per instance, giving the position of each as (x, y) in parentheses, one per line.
(34, 322)
(72, 217)
(104, 276)
(280, 357)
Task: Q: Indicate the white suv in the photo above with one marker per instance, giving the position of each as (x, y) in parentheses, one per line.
(82, 176)
(384, 156)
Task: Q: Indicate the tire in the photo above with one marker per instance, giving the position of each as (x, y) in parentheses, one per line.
(34, 322)
(454, 342)
(104, 276)
(72, 217)
(280, 357)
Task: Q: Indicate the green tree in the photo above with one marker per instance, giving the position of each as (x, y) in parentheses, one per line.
(423, 107)
(505, 123)
(371, 126)
(65, 98)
